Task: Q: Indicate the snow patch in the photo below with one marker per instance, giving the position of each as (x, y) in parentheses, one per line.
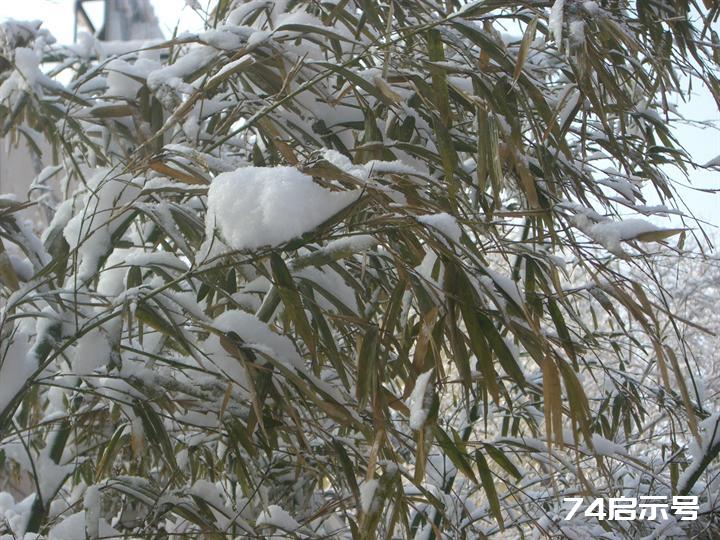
(367, 494)
(445, 223)
(275, 516)
(268, 206)
(555, 21)
(418, 401)
(610, 234)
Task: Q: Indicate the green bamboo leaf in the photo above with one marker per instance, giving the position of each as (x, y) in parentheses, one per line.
(367, 365)
(489, 488)
(155, 431)
(527, 39)
(501, 459)
(113, 447)
(453, 448)
(292, 302)
(505, 355)
(480, 348)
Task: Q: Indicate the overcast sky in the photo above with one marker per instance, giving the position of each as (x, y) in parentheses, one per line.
(702, 143)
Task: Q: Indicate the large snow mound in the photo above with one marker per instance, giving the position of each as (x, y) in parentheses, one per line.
(267, 206)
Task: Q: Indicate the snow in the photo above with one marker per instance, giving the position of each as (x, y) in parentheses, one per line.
(555, 21)
(208, 491)
(239, 13)
(374, 167)
(227, 37)
(591, 7)
(28, 63)
(92, 352)
(186, 64)
(17, 364)
(250, 297)
(254, 332)
(16, 32)
(367, 494)
(389, 167)
(504, 284)
(710, 438)
(258, 38)
(287, 23)
(610, 233)
(122, 76)
(351, 244)
(15, 514)
(418, 401)
(268, 206)
(63, 213)
(173, 74)
(577, 32)
(91, 503)
(275, 516)
(112, 276)
(425, 269)
(26, 77)
(232, 65)
(90, 229)
(331, 282)
(20, 264)
(714, 162)
(73, 528)
(445, 223)
(604, 447)
(50, 475)
(162, 259)
(626, 188)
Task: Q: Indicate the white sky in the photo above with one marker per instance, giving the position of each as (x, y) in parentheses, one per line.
(702, 143)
